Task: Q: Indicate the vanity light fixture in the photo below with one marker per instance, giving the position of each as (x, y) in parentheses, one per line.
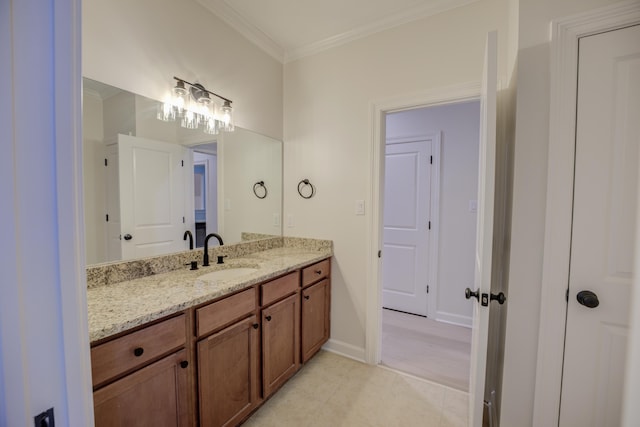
(191, 103)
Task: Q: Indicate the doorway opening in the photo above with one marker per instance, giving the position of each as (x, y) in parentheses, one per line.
(429, 232)
(205, 191)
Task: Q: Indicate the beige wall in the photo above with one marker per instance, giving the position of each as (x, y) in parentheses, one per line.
(529, 202)
(140, 45)
(327, 132)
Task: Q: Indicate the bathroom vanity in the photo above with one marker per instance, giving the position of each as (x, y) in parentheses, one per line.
(186, 348)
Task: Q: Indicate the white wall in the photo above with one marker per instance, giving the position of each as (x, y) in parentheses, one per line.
(529, 202)
(246, 158)
(327, 126)
(44, 339)
(93, 174)
(140, 45)
(459, 127)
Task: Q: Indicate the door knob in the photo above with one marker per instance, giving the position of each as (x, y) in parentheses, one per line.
(499, 297)
(588, 299)
(468, 293)
(128, 237)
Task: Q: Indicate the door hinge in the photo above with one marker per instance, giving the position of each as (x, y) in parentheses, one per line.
(183, 221)
(107, 215)
(106, 162)
(427, 288)
(182, 161)
(566, 295)
(430, 160)
(379, 254)
(429, 225)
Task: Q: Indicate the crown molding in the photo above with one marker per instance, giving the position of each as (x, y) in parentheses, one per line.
(229, 15)
(393, 20)
(252, 33)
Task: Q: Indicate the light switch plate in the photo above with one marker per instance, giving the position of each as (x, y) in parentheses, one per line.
(359, 207)
(473, 206)
(276, 219)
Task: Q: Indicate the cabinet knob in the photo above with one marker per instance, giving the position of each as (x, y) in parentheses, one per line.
(318, 272)
(306, 296)
(255, 326)
(268, 318)
(184, 364)
(138, 351)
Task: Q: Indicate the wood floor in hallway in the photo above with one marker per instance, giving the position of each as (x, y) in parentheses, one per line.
(436, 351)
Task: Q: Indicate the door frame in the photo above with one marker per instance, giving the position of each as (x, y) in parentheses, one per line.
(559, 201)
(434, 211)
(378, 110)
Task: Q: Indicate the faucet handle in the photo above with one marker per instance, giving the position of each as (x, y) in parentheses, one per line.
(220, 259)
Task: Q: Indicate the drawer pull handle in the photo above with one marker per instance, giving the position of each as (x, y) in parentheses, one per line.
(306, 297)
(318, 272)
(138, 351)
(268, 318)
(255, 326)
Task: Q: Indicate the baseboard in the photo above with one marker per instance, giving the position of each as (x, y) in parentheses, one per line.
(454, 319)
(344, 349)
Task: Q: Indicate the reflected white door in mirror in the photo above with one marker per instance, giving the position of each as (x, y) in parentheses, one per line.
(139, 198)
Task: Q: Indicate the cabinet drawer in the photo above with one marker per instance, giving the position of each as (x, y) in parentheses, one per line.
(123, 354)
(279, 288)
(225, 311)
(315, 272)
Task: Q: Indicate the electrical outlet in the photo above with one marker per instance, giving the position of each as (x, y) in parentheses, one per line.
(291, 221)
(276, 219)
(45, 419)
(359, 207)
(473, 206)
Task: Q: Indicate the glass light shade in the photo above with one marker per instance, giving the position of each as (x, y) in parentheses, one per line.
(211, 126)
(166, 112)
(190, 119)
(226, 117)
(180, 97)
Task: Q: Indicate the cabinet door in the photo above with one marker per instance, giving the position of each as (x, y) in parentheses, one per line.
(228, 374)
(280, 342)
(315, 318)
(156, 395)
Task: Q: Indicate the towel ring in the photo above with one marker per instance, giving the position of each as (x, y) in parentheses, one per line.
(256, 189)
(305, 183)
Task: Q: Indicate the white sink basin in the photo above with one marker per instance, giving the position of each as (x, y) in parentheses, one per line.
(228, 273)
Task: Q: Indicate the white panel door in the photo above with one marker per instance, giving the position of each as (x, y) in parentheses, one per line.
(406, 226)
(604, 217)
(152, 196)
(484, 233)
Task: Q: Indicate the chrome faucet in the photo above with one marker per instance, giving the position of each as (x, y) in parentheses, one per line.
(205, 261)
(188, 233)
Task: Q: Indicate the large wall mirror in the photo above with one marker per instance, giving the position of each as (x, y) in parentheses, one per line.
(147, 182)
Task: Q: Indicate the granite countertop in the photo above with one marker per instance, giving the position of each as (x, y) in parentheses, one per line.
(121, 306)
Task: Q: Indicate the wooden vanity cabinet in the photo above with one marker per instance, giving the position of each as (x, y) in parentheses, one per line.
(228, 359)
(156, 395)
(316, 313)
(280, 331)
(247, 345)
(143, 378)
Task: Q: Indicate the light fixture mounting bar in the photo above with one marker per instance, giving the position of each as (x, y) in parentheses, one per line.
(200, 87)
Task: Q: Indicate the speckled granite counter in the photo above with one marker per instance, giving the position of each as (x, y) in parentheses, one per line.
(118, 307)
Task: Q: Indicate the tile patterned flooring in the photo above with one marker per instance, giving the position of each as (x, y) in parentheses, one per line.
(334, 391)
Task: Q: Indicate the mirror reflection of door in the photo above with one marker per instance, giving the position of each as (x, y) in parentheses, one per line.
(151, 178)
(205, 191)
